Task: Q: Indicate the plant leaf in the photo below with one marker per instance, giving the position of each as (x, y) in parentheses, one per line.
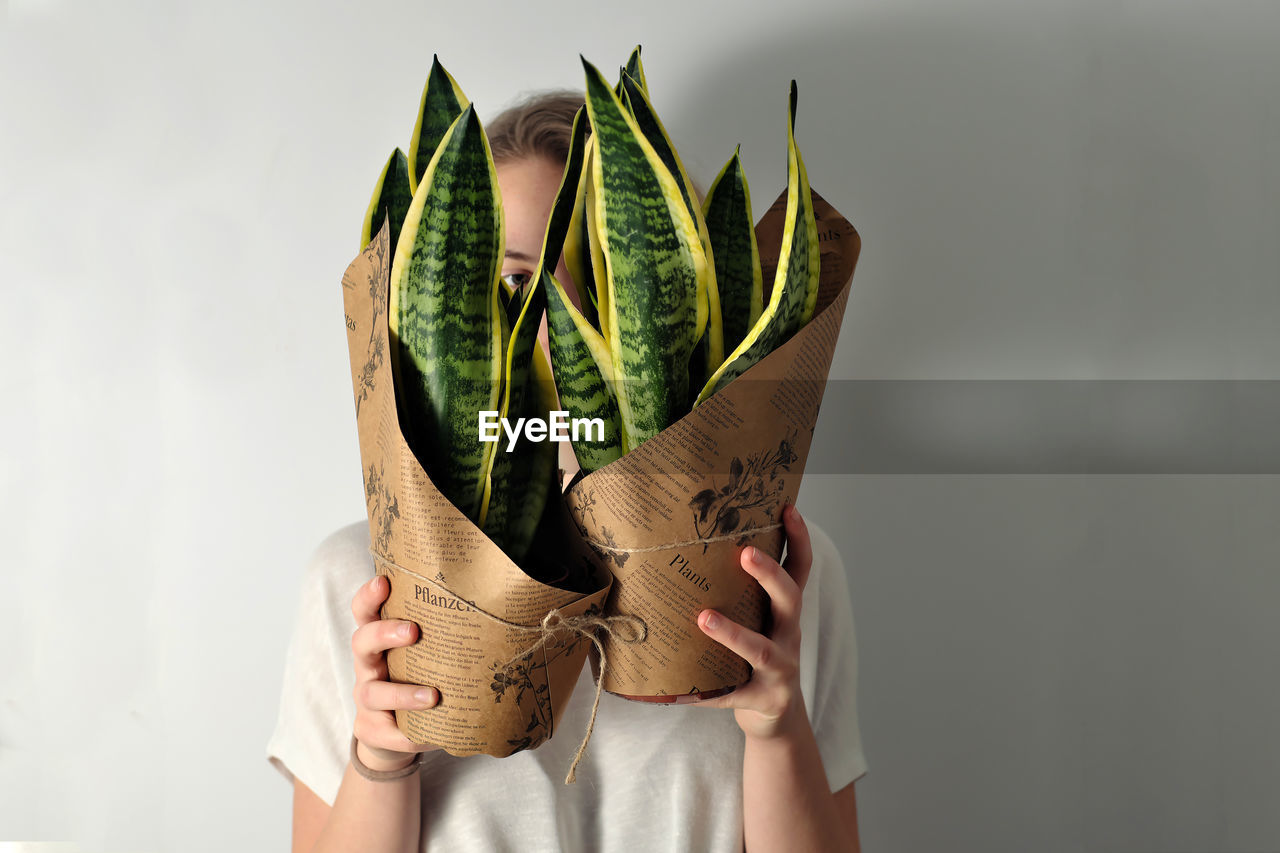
(583, 375)
(795, 285)
(579, 246)
(636, 70)
(391, 197)
(444, 314)
(442, 102)
(509, 477)
(727, 211)
(653, 261)
(710, 350)
(529, 476)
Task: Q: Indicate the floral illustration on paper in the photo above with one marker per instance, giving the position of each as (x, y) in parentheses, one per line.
(752, 485)
(378, 295)
(384, 508)
(378, 292)
(524, 681)
(365, 381)
(586, 506)
(618, 558)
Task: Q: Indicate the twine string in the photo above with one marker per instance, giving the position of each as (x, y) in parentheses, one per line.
(706, 540)
(623, 628)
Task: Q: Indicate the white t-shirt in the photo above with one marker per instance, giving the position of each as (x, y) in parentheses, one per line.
(654, 777)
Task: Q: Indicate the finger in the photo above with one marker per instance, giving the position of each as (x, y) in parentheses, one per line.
(784, 594)
(370, 641)
(799, 558)
(715, 701)
(366, 604)
(386, 696)
(743, 696)
(377, 729)
(756, 649)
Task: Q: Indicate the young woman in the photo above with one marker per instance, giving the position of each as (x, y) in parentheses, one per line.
(776, 774)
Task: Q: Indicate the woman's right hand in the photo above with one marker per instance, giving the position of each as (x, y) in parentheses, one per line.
(381, 746)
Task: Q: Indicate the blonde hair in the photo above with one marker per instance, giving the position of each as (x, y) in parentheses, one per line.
(540, 125)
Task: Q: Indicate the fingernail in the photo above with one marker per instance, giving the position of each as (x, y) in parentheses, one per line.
(426, 696)
(755, 556)
(404, 629)
(712, 621)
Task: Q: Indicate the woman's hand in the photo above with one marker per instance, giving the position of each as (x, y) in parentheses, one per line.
(770, 704)
(787, 804)
(371, 815)
(381, 745)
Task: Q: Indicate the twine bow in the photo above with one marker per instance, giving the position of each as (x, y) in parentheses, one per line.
(623, 628)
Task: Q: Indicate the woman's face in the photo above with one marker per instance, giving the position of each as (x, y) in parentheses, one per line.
(528, 188)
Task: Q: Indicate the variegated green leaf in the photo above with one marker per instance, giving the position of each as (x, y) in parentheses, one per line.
(442, 102)
(492, 517)
(795, 286)
(636, 70)
(578, 246)
(562, 209)
(535, 464)
(654, 264)
(583, 374)
(512, 305)
(595, 242)
(656, 134)
(727, 211)
(444, 313)
(710, 350)
(391, 197)
(509, 485)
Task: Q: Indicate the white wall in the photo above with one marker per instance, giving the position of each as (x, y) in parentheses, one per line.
(1046, 190)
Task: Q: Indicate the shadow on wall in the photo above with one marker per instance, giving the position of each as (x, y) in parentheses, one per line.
(1079, 197)
(1022, 176)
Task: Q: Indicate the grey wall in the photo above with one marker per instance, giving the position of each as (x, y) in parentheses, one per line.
(1058, 653)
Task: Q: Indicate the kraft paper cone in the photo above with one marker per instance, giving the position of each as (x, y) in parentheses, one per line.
(670, 518)
(479, 615)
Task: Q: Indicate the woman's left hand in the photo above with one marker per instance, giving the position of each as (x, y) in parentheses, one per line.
(770, 703)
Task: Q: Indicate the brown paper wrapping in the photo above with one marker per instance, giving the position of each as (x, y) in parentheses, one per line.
(477, 612)
(670, 518)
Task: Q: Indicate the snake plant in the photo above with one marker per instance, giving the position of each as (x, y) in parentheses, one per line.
(670, 287)
(462, 342)
(669, 306)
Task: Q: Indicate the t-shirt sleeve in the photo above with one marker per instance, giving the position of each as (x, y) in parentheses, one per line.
(829, 664)
(317, 712)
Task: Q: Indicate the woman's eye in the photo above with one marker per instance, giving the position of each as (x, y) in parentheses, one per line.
(516, 280)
